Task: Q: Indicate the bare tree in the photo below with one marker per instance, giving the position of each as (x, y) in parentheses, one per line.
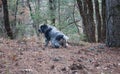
(98, 20)
(59, 12)
(103, 36)
(6, 19)
(16, 9)
(52, 7)
(74, 18)
(34, 25)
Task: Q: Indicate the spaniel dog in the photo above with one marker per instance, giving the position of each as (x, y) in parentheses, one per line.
(53, 35)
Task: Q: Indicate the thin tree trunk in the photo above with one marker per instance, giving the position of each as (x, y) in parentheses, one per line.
(6, 19)
(0, 3)
(52, 7)
(91, 23)
(39, 2)
(34, 26)
(83, 11)
(74, 18)
(103, 21)
(59, 12)
(98, 20)
(16, 9)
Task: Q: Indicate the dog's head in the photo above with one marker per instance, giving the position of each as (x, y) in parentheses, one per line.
(43, 28)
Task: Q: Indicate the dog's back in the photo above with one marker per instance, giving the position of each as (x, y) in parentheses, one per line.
(55, 32)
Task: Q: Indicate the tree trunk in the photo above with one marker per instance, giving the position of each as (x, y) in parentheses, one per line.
(0, 3)
(16, 10)
(6, 19)
(52, 7)
(91, 23)
(74, 18)
(86, 12)
(113, 23)
(103, 34)
(98, 20)
(33, 24)
(59, 12)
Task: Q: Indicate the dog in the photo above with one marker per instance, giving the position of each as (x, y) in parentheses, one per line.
(53, 35)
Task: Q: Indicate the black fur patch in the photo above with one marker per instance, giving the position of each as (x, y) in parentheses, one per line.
(59, 37)
(44, 28)
(47, 33)
(61, 40)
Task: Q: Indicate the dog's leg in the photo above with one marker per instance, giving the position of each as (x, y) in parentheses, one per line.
(63, 43)
(55, 44)
(46, 42)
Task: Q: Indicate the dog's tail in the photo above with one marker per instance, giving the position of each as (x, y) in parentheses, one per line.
(65, 37)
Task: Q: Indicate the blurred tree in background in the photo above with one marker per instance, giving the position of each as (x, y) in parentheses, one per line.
(113, 23)
(6, 19)
(86, 12)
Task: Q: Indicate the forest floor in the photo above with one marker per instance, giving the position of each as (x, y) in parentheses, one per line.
(28, 57)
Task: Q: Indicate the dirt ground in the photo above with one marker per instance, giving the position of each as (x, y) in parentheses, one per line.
(28, 57)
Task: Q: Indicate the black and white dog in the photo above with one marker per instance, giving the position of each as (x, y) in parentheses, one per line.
(52, 34)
